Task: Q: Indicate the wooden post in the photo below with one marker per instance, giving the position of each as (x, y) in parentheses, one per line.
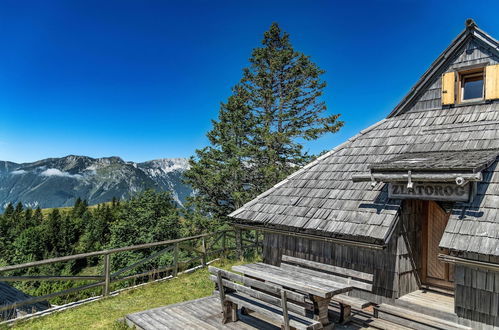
(256, 243)
(239, 244)
(224, 253)
(284, 305)
(226, 306)
(107, 275)
(203, 246)
(175, 261)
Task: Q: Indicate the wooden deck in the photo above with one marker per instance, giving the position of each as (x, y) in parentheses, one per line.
(205, 313)
(430, 299)
(422, 309)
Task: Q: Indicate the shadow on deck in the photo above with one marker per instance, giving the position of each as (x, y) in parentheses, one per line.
(205, 313)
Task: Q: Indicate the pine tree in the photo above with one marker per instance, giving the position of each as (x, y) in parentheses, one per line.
(37, 216)
(220, 173)
(285, 87)
(149, 216)
(4, 244)
(17, 224)
(9, 210)
(256, 140)
(52, 232)
(28, 218)
(79, 216)
(19, 209)
(77, 203)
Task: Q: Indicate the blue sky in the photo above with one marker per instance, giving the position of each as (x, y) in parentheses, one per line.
(142, 79)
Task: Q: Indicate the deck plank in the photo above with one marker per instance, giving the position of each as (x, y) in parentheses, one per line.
(201, 313)
(431, 300)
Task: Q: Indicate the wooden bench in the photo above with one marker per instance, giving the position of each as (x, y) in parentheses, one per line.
(270, 300)
(358, 280)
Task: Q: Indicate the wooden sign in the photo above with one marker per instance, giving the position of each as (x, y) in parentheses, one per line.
(430, 191)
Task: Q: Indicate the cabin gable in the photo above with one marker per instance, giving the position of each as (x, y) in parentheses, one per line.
(474, 53)
(472, 49)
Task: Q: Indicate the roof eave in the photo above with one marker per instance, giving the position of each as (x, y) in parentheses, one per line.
(359, 241)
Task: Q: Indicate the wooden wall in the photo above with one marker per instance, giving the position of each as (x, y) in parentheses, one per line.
(477, 296)
(381, 263)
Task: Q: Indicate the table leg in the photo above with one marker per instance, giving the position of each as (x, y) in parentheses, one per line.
(321, 310)
(345, 313)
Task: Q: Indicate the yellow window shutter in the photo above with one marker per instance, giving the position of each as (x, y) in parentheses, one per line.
(492, 82)
(448, 88)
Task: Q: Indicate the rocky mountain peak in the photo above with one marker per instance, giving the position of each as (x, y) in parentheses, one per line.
(56, 182)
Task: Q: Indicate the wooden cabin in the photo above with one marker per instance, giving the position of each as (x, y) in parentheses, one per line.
(10, 295)
(413, 199)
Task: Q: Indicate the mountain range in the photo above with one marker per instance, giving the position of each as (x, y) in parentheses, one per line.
(58, 182)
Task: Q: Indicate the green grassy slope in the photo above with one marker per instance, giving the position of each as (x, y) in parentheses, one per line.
(66, 209)
(104, 313)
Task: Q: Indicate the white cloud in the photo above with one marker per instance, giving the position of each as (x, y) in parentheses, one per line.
(56, 172)
(16, 172)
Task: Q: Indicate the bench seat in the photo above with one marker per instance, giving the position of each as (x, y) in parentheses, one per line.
(355, 302)
(272, 312)
(346, 303)
(270, 300)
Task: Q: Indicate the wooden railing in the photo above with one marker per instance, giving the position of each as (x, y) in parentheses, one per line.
(203, 247)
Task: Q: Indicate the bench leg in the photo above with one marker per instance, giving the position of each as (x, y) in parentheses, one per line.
(290, 328)
(226, 312)
(233, 314)
(345, 313)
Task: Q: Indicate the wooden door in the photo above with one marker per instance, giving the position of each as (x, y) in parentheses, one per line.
(435, 272)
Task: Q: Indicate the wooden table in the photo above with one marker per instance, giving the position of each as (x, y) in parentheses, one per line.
(319, 290)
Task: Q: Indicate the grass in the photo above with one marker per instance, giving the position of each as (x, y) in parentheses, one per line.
(66, 209)
(103, 314)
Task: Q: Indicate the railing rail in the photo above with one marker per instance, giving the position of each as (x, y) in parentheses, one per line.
(218, 246)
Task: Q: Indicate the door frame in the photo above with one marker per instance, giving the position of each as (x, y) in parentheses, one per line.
(425, 279)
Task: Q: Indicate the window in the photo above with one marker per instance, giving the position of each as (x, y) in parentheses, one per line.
(471, 86)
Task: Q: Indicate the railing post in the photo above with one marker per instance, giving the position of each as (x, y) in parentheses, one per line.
(224, 248)
(175, 260)
(256, 243)
(239, 243)
(107, 275)
(203, 246)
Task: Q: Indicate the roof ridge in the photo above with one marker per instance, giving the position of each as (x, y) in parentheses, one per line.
(309, 165)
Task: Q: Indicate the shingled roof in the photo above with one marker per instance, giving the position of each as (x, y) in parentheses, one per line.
(10, 295)
(322, 199)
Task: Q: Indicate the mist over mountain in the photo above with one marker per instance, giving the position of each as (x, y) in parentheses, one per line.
(57, 182)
